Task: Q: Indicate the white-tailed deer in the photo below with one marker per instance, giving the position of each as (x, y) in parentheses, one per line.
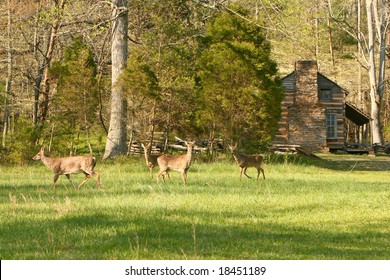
(70, 165)
(177, 163)
(245, 161)
(151, 159)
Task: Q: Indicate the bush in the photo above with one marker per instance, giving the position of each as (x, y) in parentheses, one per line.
(20, 147)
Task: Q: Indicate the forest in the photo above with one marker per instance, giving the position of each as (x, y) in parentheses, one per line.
(90, 76)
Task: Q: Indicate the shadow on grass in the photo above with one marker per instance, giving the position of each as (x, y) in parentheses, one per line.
(181, 234)
(335, 162)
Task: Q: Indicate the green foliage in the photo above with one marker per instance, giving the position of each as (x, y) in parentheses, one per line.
(2, 89)
(171, 64)
(159, 78)
(386, 132)
(76, 102)
(21, 147)
(140, 79)
(241, 91)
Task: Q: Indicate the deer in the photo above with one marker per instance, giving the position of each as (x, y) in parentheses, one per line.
(70, 165)
(151, 159)
(245, 161)
(176, 163)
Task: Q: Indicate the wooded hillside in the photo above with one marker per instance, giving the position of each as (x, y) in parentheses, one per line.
(195, 69)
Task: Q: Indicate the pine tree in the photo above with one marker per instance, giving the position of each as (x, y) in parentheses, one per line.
(239, 83)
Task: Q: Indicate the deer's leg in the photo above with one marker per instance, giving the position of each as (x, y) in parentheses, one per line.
(56, 176)
(70, 180)
(87, 176)
(151, 166)
(241, 170)
(161, 173)
(97, 176)
(259, 169)
(184, 176)
(245, 168)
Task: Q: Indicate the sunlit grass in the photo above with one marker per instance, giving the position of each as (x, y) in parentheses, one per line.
(303, 210)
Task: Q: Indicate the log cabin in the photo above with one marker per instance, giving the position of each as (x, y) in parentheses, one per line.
(314, 112)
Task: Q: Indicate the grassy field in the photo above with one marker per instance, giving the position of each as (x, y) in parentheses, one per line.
(333, 209)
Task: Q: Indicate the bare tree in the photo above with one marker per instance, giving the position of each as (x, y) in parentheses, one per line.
(42, 82)
(377, 23)
(117, 134)
(7, 91)
(375, 40)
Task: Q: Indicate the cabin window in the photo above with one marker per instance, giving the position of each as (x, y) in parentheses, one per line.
(325, 95)
(331, 125)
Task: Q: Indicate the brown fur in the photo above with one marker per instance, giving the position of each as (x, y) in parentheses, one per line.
(70, 165)
(177, 163)
(151, 159)
(245, 161)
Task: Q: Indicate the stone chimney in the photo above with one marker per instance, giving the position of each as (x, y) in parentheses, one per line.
(306, 116)
(306, 85)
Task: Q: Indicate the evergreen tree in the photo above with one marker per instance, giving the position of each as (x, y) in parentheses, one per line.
(76, 101)
(241, 91)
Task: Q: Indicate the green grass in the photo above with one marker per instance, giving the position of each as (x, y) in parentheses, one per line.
(303, 210)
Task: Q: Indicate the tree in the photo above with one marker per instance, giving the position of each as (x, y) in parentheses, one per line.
(75, 103)
(372, 44)
(42, 86)
(241, 91)
(7, 92)
(117, 134)
(159, 78)
(377, 23)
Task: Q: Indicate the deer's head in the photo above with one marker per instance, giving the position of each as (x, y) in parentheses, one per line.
(40, 154)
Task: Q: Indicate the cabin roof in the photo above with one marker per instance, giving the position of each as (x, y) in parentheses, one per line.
(289, 82)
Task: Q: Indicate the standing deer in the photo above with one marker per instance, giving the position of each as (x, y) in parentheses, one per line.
(177, 163)
(245, 161)
(151, 159)
(70, 165)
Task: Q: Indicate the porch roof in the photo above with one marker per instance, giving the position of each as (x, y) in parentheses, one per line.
(356, 115)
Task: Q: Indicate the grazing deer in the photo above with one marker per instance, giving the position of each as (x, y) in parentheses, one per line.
(177, 163)
(151, 159)
(245, 161)
(70, 165)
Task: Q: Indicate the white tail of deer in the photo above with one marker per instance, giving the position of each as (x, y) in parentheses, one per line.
(245, 161)
(177, 163)
(151, 159)
(70, 165)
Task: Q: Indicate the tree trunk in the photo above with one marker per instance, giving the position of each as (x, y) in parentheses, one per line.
(42, 82)
(45, 79)
(376, 83)
(7, 92)
(117, 134)
(38, 79)
(330, 38)
(316, 33)
(360, 99)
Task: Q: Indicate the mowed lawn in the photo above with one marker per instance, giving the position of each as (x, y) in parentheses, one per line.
(303, 210)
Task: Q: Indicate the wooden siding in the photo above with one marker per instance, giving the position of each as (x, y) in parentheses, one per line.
(336, 105)
(303, 119)
(289, 83)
